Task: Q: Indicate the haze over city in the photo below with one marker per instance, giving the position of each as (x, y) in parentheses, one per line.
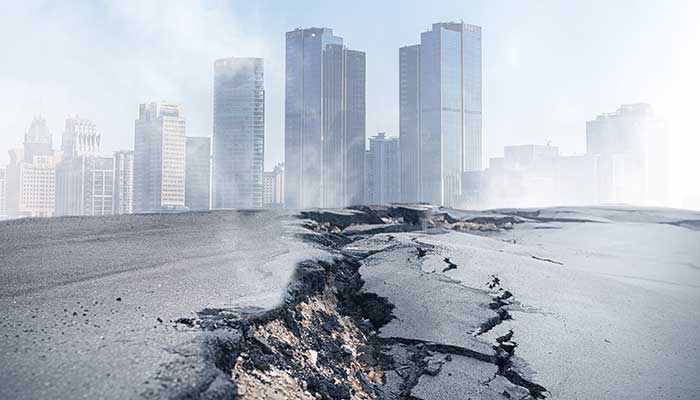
(548, 66)
(358, 200)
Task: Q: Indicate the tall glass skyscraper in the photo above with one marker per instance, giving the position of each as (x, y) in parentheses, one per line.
(324, 120)
(159, 158)
(239, 132)
(440, 107)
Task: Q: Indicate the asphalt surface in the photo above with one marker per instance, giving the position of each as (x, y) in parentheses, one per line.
(87, 304)
(606, 301)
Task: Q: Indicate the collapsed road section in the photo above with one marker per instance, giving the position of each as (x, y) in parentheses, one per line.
(370, 321)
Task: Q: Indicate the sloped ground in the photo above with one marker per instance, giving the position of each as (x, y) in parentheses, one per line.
(405, 302)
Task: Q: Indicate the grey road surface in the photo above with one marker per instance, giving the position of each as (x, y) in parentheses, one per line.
(87, 304)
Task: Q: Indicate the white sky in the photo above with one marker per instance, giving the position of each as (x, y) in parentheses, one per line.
(549, 65)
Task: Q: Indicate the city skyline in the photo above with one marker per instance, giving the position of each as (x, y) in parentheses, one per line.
(569, 135)
(325, 120)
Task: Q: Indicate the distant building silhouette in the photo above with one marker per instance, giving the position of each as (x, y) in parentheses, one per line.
(31, 174)
(159, 158)
(631, 146)
(382, 169)
(123, 182)
(84, 179)
(239, 132)
(440, 112)
(273, 187)
(198, 173)
(38, 141)
(624, 163)
(324, 120)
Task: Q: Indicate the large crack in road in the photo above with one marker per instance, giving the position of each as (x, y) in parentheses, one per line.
(326, 340)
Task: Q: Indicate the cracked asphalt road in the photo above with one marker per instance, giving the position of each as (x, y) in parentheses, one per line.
(616, 315)
(87, 304)
(606, 300)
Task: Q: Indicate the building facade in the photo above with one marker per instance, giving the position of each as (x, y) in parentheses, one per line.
(198, 173)
(324, 120)
(239, 132)
(383, 170)
(159, 158)
(38, 141)
(123, 182)
(84, 179)
(80, 138)
(440, 107)
(273, 187)
(30, 187)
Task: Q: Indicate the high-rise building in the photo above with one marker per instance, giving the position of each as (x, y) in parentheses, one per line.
(159, 158)
(324, 120)
(85, 186)
(80, 138)
(273, 187)
(440, 107)
(31, 174)
(239, 132)
(382, 168)
(38, 141)
(32, 187)
(197, 173)
(123, 182)
(409, 122)
(84, 179)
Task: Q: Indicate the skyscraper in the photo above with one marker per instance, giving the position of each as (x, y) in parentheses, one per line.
(239, 132)
(382, 170)
(38, 140)
(31, 174)
(409, 122)
(324, 120)
(197, 173)
(123, 182)
(159, 158)
(80, 137)
(84, 179)
(440, 107)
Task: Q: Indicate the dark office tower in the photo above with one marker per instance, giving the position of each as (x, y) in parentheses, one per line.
(197, 173)
(324, 120)
(443, 76)
(239, 132)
